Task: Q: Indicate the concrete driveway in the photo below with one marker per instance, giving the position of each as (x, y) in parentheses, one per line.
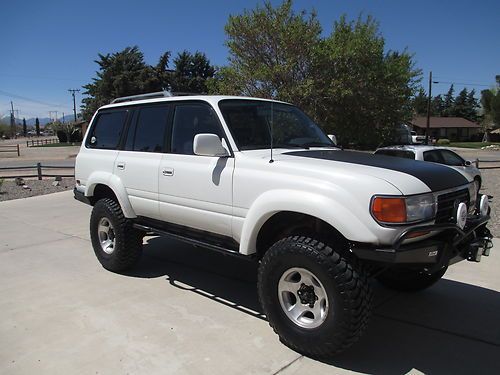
(186, 310)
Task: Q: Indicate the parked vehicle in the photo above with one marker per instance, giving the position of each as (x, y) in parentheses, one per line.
(320, 221)
(417, 139)
(441, 155)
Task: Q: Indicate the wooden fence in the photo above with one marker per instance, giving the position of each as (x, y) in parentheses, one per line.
(41, 142)
(478, 162)
(10, 148)
(39, 169)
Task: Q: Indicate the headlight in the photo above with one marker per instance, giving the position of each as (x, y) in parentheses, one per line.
(402, 210)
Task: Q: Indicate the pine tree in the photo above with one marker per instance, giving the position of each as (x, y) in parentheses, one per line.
(420, 102)
(437, 106)
(37, 127)
(472, 106)
(448, 103)
(25, 130)
(459, 108)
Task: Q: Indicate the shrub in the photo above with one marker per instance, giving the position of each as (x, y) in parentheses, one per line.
(443, 141)
(1, 183)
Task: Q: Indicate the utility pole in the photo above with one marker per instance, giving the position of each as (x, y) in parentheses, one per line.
(53, 118)
(73, 91)
(12, 121)
(428, 110)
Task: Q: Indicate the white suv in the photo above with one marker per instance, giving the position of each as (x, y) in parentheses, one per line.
(258, 178)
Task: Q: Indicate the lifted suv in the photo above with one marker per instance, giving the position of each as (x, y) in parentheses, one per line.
(320, 221)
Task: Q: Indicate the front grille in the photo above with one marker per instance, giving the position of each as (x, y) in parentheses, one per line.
(447, 204)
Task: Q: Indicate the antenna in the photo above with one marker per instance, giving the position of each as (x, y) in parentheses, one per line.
(272, 133)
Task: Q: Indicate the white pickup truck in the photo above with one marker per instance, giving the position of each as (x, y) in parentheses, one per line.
(257, 178)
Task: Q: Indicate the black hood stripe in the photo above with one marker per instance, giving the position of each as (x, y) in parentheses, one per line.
(437, 177)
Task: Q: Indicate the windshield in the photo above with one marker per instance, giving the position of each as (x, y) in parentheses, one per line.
(251, 121)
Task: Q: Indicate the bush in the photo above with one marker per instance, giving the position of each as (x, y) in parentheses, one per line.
(443, 141)
(1, 183)
(63, 138)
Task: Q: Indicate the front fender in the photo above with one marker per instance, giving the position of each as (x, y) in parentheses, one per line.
(329, 210)
(114, 183)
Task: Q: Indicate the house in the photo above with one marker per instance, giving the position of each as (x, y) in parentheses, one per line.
(452, 128)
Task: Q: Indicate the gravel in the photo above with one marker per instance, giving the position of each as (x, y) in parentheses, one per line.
(9, 190)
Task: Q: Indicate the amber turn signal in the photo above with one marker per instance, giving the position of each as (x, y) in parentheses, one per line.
(389, 209)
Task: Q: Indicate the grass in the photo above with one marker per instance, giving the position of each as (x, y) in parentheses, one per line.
(59, 144)
(472, 144)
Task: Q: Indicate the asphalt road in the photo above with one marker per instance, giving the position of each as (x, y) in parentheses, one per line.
(187, 310)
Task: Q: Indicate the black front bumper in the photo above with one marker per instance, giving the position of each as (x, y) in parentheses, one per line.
(451, 245)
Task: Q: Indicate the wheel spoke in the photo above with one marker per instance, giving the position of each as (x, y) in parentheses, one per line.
(319, 309)
(289, 286)
(297, 311)
(103, 228)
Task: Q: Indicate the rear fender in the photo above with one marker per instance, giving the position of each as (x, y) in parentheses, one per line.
(115, 184)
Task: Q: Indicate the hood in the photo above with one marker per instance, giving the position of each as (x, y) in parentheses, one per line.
(435, 176)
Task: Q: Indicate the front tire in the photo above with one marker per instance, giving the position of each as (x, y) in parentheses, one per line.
(406, 280)
(117, 245)
(317, 300)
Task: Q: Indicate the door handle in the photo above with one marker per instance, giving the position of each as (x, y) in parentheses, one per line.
(120, 165)
(167, 172)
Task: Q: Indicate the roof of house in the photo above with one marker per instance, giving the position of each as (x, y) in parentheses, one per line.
(444, 122)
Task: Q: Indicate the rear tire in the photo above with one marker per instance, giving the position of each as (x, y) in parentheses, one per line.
(317, 300)
(117, 245)
(409, 280)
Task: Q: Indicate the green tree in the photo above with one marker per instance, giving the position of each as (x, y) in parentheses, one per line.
(368, 91)
(448, 102)
(472, 106)
(272, 54)
(459, 108)
(120, 74)
(191, 72)
(437, 105)
(25, 129)
(490, 101)
(37, 127)
(420, 102)
(345, 81)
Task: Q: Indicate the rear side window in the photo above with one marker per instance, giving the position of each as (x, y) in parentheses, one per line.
(147, 132)
(108, 129)
(189, 120)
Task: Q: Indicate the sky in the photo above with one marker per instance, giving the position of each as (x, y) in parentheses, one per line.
(50, 46)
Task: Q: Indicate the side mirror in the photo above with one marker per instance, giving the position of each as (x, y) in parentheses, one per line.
(208, 145)
(333, 138)
(468, 163)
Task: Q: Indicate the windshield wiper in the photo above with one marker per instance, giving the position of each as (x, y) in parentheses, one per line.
(290, 145)
(318, 144)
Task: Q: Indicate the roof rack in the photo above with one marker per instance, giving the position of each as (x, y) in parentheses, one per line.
(150, 95)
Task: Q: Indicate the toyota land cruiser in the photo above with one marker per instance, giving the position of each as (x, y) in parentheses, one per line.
(257, 178)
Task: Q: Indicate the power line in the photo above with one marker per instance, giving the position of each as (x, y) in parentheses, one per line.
(5, 93)
(464, 84)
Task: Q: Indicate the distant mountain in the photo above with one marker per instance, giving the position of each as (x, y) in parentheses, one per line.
(31, 121)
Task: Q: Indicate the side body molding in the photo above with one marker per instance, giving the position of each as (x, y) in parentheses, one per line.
(115, 184)
(342, 218)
